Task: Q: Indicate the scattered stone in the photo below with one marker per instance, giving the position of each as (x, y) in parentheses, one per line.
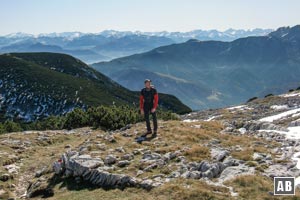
(194, 174)
(282, 170)
(123, 163)
(229, 161)
(5, 177)
(147, 184)
(110, 138)
(233, 171)
(77, 166)
(137, 151)
(42, 171)
(294, 123)
(126, 134)
(110, 159)
(12, 169)
(101, 146)
(151, 156)
(242, 130)
(57, 167)
(258, 156)
(128, 126)
(39, 188)
(174, 174)
(261, 156)
(120, 149)
(2, 192)
(219, 154)
(258, 125)
(214, 170)
(150, 167)
(171, 155)
(215, 141)
(139, 172)
(127, 157)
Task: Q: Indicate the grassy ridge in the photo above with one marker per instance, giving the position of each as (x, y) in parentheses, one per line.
(65, 78)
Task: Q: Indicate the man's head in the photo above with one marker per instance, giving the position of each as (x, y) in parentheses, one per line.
(147, 83)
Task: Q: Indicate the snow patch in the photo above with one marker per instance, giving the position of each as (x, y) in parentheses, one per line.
(242, 130)
(290, 95)
(280, 116)
(279, 107)
(292, 133)
(296, 115)
(239, 108)
(236, 107)
(196, 126)
(211, 118)
(190, 120)
(296, 157)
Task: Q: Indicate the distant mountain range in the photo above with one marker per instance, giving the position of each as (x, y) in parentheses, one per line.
(110, 44)
(36, 85)
(210, 74)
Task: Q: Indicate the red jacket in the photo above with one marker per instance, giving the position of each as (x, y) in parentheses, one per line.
(155, 99)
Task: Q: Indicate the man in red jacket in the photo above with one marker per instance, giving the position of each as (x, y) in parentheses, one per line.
(148, 105)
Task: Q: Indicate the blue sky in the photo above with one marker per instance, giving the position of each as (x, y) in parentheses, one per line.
(45, 16)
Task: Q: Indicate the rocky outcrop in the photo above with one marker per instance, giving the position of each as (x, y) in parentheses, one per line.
(257, 125)
(89, 169)
(234, 171)
(280, 170)
(294, 123)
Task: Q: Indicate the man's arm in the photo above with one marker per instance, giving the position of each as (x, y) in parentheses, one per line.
(155, 104)
(155, 101)
(141, 102)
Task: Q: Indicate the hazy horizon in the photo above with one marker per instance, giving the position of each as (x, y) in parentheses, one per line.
(35, 34)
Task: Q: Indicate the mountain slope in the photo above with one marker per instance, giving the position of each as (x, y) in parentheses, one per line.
(188, 91)
(131, 44)
(232, 71)
(111, 44)
(36, 85)
(229, 153)
(33, 46)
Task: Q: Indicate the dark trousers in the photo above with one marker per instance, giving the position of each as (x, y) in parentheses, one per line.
(147, 111)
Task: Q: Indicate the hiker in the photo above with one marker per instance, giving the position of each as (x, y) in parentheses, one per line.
(148, 105)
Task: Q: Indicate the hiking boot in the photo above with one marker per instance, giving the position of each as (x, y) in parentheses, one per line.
(147, 133)
(154, 135)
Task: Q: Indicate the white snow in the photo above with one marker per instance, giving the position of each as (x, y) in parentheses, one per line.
(296, 157)
(236, 107)
(190, 120)
(292, 133)
(290, 95)
(279, 107)
(211, 118)
(242, 130)
(196, 126)
(280, 116)
(296, 115)
(239, 108)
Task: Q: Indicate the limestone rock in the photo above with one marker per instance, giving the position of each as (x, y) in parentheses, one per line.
(123, 163)
(233, 171)
(110, 159)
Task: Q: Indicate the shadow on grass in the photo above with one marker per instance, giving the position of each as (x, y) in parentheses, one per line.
(71, 184)
(46, 189)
